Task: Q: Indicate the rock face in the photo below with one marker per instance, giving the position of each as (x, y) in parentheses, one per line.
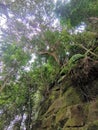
(64, 109)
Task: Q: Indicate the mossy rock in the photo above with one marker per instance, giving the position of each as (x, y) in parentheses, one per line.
(93, 111)
(71, 97)
(76, 116)
(86, 112)
(61, 117)
(75, 128)
(48, 122)
(93, 126)
(56, 105)
(94, 88)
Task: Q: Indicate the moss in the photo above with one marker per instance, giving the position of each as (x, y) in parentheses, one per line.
(93, 126)
(67, 111)
(86, 111)
(61, 114)
(57, 104)
(93, 111)
(48, 122)
(71, 97)
(54, 93)
(74, 123)
(61, 117)
(77, 128)
(76, 116)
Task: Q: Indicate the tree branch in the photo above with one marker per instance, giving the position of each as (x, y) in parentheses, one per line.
(51, 54)
(88, 50)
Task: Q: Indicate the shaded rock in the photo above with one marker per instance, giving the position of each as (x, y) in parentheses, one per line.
(76, 116)
(93, 126)
(58, 103)
(75, 128)
(61, 117)
(67, 111)
(37, 125)
(71, 97)
(93, 111)
(48, 122)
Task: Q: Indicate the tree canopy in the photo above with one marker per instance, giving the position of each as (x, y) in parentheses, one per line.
(77, 11)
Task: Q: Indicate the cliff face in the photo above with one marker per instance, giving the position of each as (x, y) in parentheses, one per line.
(67, 111)
(70, 107)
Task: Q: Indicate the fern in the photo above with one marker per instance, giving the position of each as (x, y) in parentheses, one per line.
(72, 63)
(75, 58)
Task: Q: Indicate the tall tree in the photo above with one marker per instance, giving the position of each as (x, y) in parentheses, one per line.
(77, 11)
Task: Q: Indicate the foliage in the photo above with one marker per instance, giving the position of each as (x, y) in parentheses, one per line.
(14, 56)
(71, 63)
(35, 55)
(77, 11)
(75, 58)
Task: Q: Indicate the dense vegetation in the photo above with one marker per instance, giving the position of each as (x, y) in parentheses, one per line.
(38, 52)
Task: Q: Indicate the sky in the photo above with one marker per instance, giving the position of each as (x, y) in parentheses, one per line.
(61, 0)
(3, 21)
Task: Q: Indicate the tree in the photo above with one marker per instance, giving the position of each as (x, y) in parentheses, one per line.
(77, 11)
(30, 33)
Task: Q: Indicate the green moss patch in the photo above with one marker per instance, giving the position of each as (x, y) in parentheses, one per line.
(71, 97)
